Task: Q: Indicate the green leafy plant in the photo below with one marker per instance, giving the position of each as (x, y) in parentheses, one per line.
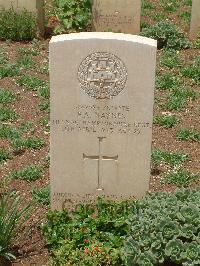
(7, 114)
(92, 235)
(193, 70)
(12, 219)
(164, 230)
(20, 144)
(72, 14)
(167, 121)
(167, 157)
(170, 59)
(25, 61)
(8, 132)
(180, 177)
(188, 134)
(167, 81)
(179, 97)
(6, 97)
(29, 173)
(17, 26)
(4, 155)
(9, 70)
(30, 82)
(167, 35)
(42, 195)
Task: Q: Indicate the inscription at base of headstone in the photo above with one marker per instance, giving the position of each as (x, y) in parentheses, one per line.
(34, 6)
(195, 19)
(102, 94)
(116, 16)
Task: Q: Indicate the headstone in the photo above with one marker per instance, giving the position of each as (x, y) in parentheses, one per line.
(35, 6)
(117, 16)
(102, 94)
(195, 19)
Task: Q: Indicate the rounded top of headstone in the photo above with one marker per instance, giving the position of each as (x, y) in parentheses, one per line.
(104, 36)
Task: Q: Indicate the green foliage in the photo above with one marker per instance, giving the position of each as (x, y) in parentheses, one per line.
(12, 219)
(179, 97)
(165, 230)
(7, 114)
(186, 16)
(4, 155)
(42, 195)
(6, 97)
(45, 106)
(168, 35)
(27, 127)
(73, 14)
(92, 235)
(167, 121)
(25, 61)
(28, 51)
(193, 70)
(9, 70)
(31, 83)
(170, 6)
(8, 132)
(29, 173)
(180, 177)
(167, 157)
(188, 134)
(17, 26)
(167, 81)
(170, 59)
(20, 144)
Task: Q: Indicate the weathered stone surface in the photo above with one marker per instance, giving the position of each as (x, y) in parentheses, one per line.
(117, 16)
(195, 20)
(102, 94)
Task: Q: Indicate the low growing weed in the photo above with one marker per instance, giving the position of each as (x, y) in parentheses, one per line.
(9, 70)
(167, 81)
(193, 70)
(42, 195)
(188, 134)
(171, 59)
(29, 173)
(167, 121)
(168, 36)
(20, 144)
(9, 132)
(179, 97)
(4, 155)
(7, 114)
(171, 158)
(180, 178)
(6, 97)
(30, 82)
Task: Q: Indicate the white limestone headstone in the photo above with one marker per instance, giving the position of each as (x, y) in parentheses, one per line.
(116, 16)
(102, 95)
(195, 19)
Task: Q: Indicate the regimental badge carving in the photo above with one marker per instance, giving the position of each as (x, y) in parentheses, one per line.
(102, 75)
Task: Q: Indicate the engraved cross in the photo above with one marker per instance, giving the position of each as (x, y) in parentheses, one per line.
(100, 158)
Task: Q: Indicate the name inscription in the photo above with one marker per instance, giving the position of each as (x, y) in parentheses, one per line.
(101, 119)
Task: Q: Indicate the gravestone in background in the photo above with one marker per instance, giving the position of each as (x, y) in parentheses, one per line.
(116, 16)
(195, 19)
(35, 6)
(102, 94)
